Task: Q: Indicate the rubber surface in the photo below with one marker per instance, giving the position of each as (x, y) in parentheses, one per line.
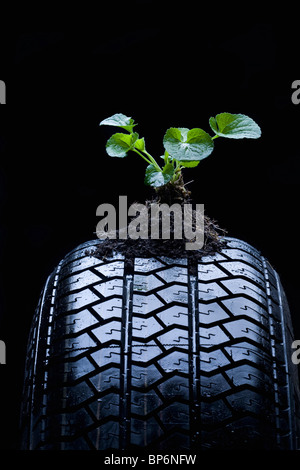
(169, 357)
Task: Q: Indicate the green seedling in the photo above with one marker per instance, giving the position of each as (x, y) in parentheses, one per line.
(184, 148)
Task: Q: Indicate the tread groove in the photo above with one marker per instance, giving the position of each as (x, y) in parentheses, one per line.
(273, 353)
(126, 361)
(195, 407)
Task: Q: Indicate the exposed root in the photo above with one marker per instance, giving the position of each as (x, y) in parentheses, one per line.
(172, 248)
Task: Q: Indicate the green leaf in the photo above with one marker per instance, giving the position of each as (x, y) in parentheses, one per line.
(190, 164)
(119, 144)
(234, 126)
(168, 172)
(188, 145)
(140, 144)
(119, 120)
(166, 157)
(158, 178)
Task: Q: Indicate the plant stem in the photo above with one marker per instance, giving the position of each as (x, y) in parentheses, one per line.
(215, 137)
(153, 161)
(141, 155)
(149, 160)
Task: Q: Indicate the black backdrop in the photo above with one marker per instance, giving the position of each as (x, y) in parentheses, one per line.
(54, 171)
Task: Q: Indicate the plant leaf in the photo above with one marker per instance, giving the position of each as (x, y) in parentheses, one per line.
(235, 126)
(166, 157)
(190, 164)
(140, 144)
(168, 172)
(188, 145)
(158, 178)
(119, 144)
(119, 120)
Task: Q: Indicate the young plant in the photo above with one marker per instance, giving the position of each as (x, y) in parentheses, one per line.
(184, 148)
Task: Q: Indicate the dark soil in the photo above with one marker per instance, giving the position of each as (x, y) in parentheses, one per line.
(171, 248)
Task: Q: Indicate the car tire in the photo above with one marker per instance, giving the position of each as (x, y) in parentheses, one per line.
(167, 355)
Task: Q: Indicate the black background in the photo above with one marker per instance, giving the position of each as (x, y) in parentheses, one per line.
(164, 70)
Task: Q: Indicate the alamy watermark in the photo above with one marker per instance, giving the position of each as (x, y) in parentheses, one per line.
(296, 353)
(296, 93)
(154, 221)
(2, 352)
(2, 92)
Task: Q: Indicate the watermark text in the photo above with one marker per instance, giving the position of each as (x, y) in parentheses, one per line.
(150, 460)
(155, 221)
(2, 92)
(2, 352)
(296, 93)
(296, 353)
